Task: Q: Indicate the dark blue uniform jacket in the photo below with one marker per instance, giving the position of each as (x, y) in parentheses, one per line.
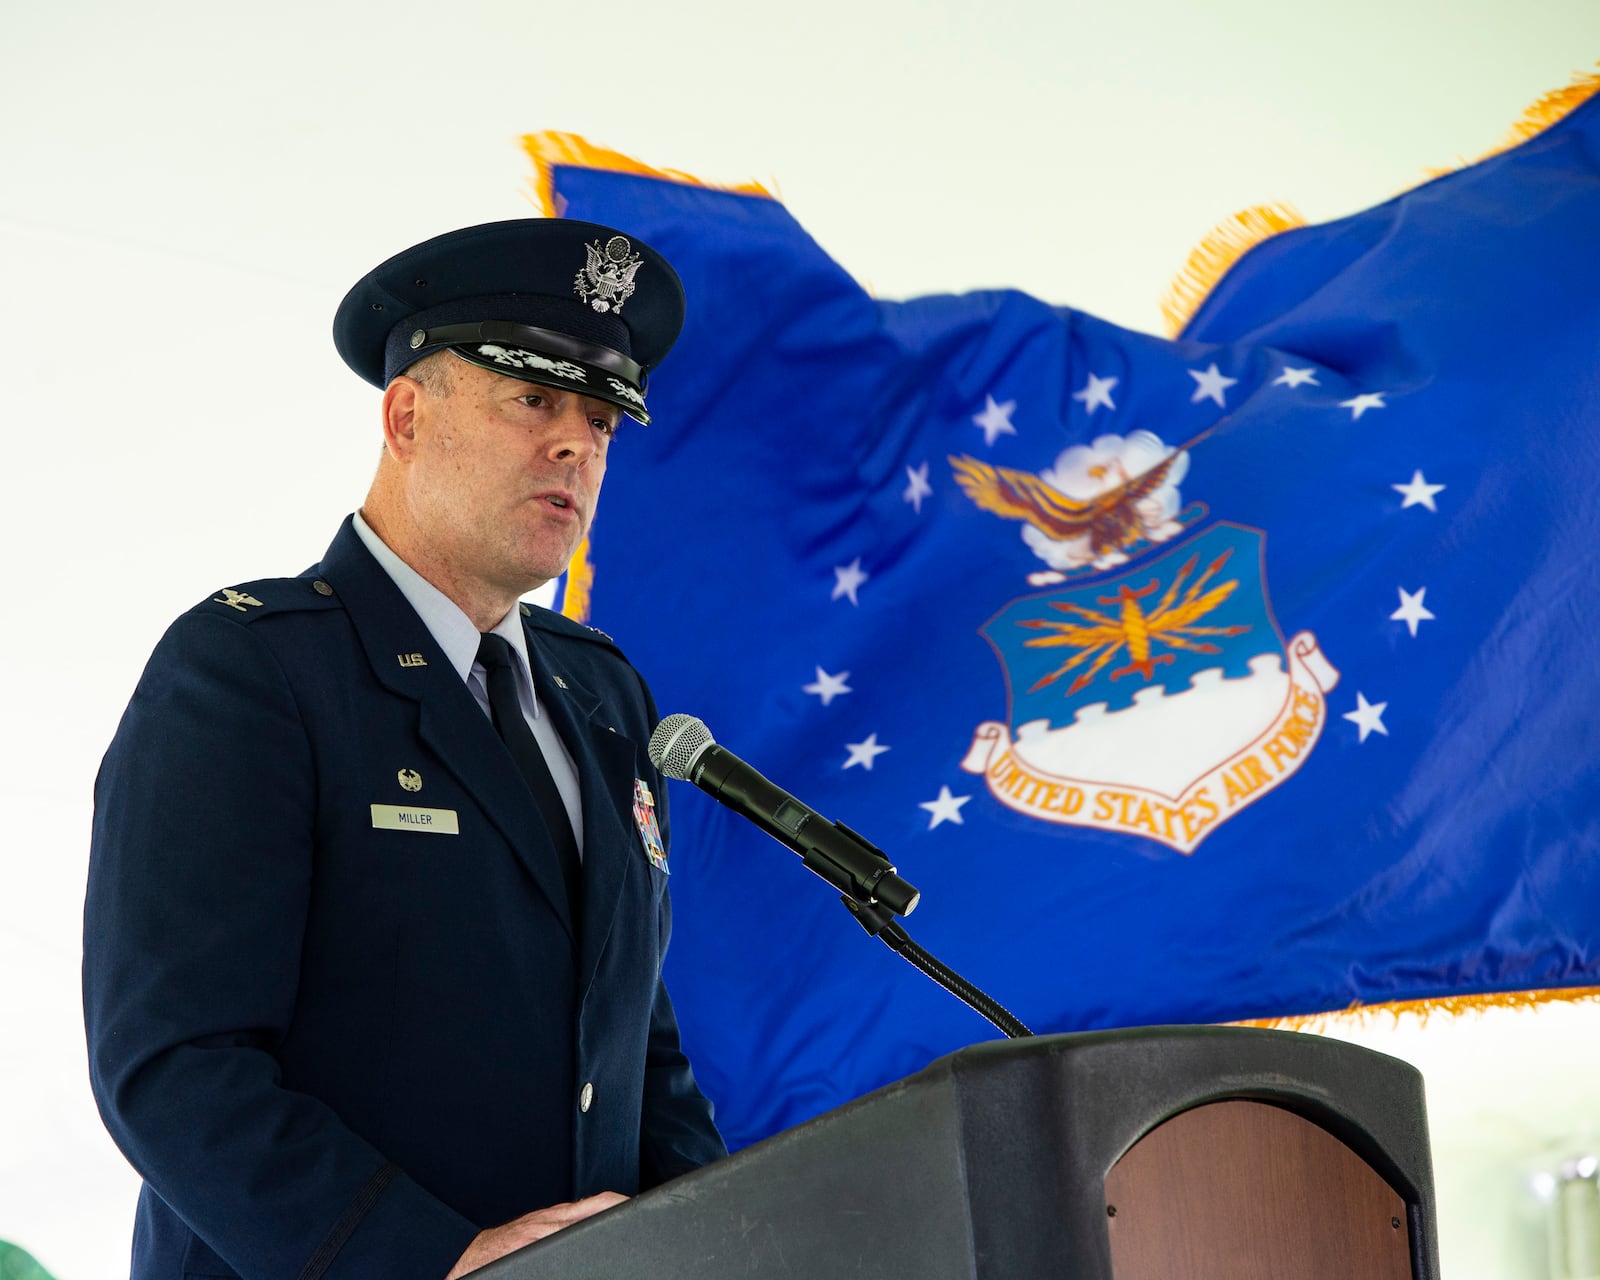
(335, 1048)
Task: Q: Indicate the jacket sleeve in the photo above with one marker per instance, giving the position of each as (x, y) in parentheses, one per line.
(199, 882)
(678, 1134)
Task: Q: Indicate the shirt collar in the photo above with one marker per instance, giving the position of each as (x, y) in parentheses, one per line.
(450, 628)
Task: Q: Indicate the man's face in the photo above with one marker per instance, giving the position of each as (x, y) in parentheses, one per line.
(505, 475)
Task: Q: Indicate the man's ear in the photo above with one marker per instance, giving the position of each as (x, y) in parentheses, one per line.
(401, 400)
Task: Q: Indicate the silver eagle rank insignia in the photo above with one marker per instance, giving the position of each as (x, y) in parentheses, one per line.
(606, 281)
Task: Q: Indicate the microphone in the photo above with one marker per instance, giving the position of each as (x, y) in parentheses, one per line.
(683, 748)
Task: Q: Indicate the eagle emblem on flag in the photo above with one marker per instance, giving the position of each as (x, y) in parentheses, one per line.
(1156, 696)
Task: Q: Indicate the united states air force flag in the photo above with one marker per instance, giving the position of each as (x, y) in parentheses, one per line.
(1248, 674)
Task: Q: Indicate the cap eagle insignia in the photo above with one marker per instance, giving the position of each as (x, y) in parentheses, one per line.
(606, 281)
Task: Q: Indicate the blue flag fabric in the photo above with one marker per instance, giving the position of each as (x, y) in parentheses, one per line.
(1244, 675)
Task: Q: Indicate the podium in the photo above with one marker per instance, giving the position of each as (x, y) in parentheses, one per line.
(1163, 1153)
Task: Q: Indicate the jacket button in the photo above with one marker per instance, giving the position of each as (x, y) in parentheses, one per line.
(585, 1097)
(321, 588)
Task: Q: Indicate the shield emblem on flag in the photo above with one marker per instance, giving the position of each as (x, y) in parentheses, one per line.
(1156, 701)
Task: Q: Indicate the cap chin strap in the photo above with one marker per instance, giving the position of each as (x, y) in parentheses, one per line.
(541, 340)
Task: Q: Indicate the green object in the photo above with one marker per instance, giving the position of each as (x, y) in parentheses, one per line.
(18, 1264)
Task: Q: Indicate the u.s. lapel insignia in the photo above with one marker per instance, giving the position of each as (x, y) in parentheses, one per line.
(236, 599)
(560, 683)
(644, 818)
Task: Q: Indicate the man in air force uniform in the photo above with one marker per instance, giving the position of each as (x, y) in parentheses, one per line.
(378, 892)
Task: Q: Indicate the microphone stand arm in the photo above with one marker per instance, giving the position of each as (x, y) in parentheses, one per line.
(875, 894)
(878, 920)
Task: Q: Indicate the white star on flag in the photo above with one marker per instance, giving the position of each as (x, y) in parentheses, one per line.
(1296, 377)
(847, 578)
(1096, 392)
(1368, 716)
(919, 488)
(1419, 493)
(995, 419)
(1411, 610)
(1210, 385)
(1358, 406)
(947, 808)
(864, 753)
(827, 687)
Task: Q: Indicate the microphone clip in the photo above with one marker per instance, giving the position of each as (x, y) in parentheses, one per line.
(859, 870)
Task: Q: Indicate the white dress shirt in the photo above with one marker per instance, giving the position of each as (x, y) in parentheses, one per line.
(456, 635)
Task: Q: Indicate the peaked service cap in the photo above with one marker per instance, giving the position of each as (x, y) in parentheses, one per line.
(554, 301)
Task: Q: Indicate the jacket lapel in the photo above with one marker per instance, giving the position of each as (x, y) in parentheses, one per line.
(606, 763)
(449, 719)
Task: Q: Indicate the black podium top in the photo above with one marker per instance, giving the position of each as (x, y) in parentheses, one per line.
(991, 1163)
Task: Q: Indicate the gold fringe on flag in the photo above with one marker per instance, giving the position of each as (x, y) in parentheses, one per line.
(550, 148)
(1546, 111)
(1449, 1006)
(1553, 106)
(1211, 259)
(1232, 239)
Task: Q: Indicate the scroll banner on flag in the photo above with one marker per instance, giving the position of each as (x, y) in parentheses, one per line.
(1248, 674)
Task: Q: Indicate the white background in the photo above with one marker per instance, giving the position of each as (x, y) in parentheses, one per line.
(187, 189)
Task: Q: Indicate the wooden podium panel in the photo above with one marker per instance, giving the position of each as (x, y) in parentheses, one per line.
(1249, 1191)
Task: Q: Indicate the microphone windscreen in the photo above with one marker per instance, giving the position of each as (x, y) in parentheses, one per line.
(677, 743)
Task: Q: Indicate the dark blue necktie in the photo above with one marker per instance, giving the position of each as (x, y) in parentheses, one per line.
(496, 655)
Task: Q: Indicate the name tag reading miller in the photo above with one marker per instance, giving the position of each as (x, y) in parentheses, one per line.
(391, 817)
